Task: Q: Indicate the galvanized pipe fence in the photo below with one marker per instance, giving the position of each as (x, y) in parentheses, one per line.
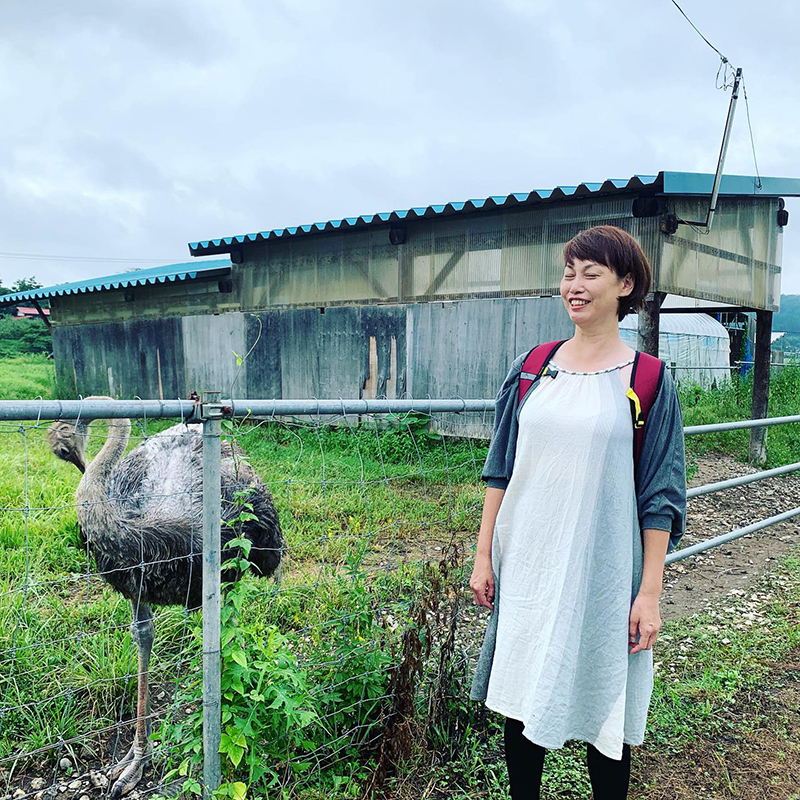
(210, 412)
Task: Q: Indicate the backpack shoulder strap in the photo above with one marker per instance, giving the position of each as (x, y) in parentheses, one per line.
(647, 375)
(535, 365)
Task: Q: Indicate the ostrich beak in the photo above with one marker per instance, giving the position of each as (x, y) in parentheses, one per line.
(75, 458)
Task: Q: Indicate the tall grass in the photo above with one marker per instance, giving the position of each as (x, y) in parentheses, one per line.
(733, 402)
(27, 377)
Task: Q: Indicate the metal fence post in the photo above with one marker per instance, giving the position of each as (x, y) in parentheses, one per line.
(211, 412)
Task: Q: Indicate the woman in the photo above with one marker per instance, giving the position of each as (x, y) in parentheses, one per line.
(575, 539)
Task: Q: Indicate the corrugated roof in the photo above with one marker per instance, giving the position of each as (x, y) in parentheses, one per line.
(168, 273)
(674, 183)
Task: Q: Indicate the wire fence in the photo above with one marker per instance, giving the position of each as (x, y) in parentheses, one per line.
(310, 678)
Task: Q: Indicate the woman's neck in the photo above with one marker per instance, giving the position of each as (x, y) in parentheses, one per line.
(594, 349)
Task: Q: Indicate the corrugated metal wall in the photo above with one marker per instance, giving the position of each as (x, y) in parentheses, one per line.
(514, 253)
(135, 358)
(450, 349)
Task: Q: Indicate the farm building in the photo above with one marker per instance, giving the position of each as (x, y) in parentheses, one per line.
(431, 301)
(696, 347)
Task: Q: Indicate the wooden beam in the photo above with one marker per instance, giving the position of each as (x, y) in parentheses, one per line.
(760, 408)
(41, 313)
(649, 324)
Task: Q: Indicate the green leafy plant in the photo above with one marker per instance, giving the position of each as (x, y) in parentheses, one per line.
(266, 702)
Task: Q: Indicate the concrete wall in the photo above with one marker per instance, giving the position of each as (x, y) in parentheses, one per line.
(451, 349)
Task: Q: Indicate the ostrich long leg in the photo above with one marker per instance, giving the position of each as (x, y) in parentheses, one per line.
(128, 772)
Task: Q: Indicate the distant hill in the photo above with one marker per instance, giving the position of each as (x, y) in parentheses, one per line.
(788, 319)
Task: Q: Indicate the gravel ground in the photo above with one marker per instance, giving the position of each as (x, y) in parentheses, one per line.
(697, 581)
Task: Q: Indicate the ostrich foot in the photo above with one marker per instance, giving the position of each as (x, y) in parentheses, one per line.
(128, 772)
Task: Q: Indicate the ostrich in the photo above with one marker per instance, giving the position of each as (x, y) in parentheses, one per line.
(141, 518)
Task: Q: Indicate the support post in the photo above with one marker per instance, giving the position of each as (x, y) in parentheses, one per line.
(649, 318)
(211, 412)
(760, 409)
(40, 312)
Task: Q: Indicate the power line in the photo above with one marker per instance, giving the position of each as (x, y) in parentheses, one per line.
(725, 84)
(752, 141)
(724, 59)
(99, 259)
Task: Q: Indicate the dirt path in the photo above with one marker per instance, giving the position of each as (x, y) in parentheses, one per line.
(690, 585)
(760, 761)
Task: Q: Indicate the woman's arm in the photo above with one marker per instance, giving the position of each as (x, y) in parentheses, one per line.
(482, 580)
(645, 615)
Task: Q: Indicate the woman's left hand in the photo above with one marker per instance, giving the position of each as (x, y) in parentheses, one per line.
(645, 618)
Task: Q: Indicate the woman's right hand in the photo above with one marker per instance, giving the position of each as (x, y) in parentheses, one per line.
(482, 582)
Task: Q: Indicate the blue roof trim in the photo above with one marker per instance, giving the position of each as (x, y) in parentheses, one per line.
(698, 183)
(674, 183)
(185, 270)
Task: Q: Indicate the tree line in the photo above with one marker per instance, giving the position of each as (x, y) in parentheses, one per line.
(788, 319)
(20, 285)
(22, 337)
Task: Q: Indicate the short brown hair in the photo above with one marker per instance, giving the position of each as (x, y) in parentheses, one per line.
(619, 251)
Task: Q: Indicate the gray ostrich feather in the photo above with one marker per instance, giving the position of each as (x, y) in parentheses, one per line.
(141, 517)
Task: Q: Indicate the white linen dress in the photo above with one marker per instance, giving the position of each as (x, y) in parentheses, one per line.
(567, 551)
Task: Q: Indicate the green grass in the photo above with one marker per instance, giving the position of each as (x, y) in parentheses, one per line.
(733, 402)
(27, 377)
(67, 664)
(66, 660)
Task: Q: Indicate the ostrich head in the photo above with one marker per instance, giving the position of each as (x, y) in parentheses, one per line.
(67, 440)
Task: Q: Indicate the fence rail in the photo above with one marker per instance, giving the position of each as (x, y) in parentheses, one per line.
(209, 412)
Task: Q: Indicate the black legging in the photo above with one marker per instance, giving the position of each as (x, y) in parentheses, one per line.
(609, 778)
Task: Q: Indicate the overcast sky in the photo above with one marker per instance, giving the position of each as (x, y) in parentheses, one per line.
(131, 127)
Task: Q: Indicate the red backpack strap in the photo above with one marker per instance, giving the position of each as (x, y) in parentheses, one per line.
(647, 374)
(535, 365)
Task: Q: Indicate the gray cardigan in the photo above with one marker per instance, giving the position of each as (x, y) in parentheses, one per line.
(660, 479)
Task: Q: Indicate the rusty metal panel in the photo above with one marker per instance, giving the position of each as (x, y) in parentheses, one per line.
(439, 349)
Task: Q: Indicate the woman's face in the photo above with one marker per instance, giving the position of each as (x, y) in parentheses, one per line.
(590, 291)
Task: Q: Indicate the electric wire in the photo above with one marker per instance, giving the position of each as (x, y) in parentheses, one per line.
(726, 83)
(750, 127)
(99, 259)
(724, 58)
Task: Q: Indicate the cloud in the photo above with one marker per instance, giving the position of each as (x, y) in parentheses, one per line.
(134, 127)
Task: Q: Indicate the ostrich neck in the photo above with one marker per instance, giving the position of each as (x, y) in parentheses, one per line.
(92, 488)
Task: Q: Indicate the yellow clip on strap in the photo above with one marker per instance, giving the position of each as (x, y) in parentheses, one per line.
(637, 406)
